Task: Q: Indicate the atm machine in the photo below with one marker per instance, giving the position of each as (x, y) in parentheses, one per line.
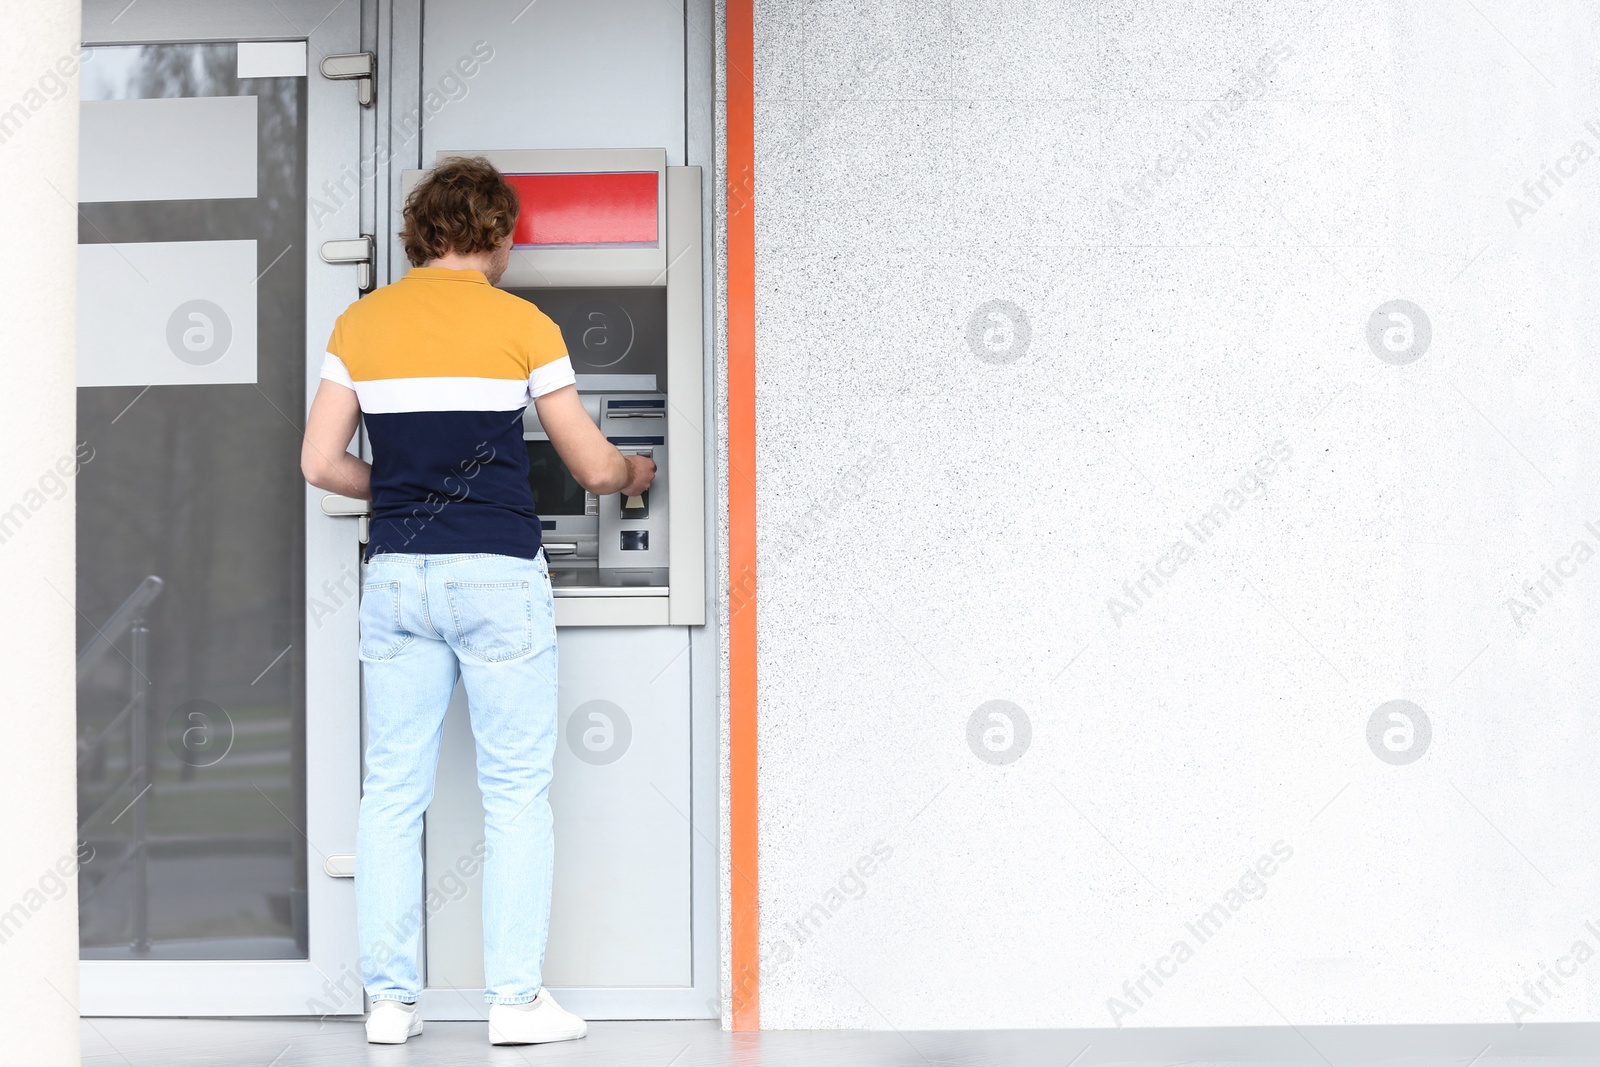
(609, 245)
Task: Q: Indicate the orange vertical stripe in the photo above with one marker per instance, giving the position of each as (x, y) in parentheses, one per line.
(743, 829)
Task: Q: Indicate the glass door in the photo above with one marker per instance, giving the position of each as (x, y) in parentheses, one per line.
(218, 709)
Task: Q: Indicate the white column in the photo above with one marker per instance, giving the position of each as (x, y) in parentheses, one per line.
(38, 275)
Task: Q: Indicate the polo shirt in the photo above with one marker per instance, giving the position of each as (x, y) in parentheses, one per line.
(443, 365)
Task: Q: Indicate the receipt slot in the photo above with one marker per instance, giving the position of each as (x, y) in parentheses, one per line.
(608, 244)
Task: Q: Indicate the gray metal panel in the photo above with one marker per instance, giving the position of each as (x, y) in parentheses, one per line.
(658, 525)
(565, 74)
(453, 937)
(278, 987)
(400, 71)
(705, 667)
(686, 430)
(611, 611)
(621, 919)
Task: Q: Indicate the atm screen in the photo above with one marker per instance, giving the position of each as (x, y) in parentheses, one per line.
(554, 490)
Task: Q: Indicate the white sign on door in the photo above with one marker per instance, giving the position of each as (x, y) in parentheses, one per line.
(167, 313)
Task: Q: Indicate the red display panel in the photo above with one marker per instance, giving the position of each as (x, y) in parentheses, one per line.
(586, 209)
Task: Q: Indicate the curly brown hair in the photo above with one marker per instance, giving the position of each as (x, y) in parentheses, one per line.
(462, 205)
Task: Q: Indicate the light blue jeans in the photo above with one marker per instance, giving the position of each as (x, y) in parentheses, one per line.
(424, 620)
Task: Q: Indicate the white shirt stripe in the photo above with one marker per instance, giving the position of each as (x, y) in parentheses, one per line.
(451, 394)
(387, 395)
(551, 376)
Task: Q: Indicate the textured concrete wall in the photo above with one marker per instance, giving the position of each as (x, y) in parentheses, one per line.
(1083, 388)
(38, 214)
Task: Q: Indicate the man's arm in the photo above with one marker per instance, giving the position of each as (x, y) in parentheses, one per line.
(335, 413)
(594, 462)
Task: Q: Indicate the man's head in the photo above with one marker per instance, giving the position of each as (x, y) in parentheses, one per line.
(461, 207)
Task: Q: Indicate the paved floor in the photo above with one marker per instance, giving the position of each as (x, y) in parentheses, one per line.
(292, 1043)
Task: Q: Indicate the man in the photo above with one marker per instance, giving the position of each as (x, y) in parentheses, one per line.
(441, 366)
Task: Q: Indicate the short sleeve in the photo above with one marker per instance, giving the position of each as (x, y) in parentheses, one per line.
(549, 367)
(334, 370)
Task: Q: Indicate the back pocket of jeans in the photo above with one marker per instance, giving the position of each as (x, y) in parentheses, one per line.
(494, 620)
(381, 634)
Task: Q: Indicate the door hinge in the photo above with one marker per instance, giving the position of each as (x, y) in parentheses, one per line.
(359, 67)
(340, 865)
(357, 250)
(348, 507)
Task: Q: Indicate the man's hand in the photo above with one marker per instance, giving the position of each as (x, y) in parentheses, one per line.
(641, 471)
(594, 462)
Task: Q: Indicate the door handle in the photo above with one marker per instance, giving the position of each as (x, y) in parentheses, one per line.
(348, 507)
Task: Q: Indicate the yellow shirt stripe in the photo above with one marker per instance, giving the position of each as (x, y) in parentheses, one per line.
(436, 323)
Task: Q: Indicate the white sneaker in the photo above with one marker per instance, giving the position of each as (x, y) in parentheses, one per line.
(539, 1020)
(391, 1022)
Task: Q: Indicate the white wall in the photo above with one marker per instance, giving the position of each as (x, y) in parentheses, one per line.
(917, 162)
(38, 170)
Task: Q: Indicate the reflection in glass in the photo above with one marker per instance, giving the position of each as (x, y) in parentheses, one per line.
(191, 703)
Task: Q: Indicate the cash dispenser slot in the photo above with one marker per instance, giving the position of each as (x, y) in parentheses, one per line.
(636, 409)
